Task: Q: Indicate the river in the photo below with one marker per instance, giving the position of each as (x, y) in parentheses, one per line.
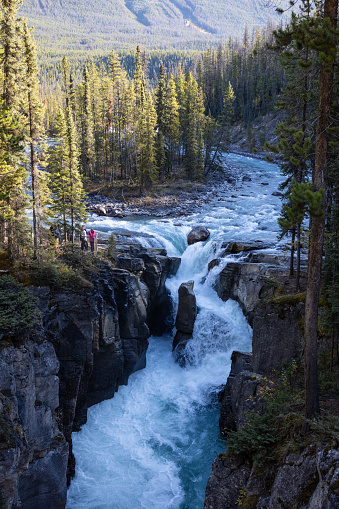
(153, 444)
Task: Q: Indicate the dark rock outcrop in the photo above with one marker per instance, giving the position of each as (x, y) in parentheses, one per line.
(239, 394)
(305, 480)
(197, 234)
(185, 319)
(224, 484)
(248, 283)
(152, 267)
(240, 247)
(187, 308)
(277, 320)
(100, 337)
(277, 335)
(33, 451)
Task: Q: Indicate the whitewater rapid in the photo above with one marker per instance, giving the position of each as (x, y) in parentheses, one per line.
(153, 444)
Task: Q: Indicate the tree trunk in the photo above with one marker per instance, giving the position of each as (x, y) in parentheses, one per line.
(292, 253)
(312, 407)
(297, 283)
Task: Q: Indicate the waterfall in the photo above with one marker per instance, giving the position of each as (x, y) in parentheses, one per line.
(153, 444)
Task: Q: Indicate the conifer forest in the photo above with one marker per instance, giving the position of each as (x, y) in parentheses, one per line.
(125, 119)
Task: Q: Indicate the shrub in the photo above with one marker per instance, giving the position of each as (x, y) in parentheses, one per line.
(57, 276)
(265, 437)
(17, 308)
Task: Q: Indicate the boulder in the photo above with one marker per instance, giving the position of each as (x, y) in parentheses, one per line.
(187, 308)
(101, 210)
(239, 247)
(197, 234)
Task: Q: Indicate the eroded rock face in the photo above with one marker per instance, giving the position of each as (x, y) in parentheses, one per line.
(197, 234)
(224, 484)
(277, 336)
(185, 319)
(30, 437)
(248, 283)
(305, 480)
(240, 393)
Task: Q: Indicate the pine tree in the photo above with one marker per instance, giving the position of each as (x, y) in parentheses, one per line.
(295, 133)
(35, 118)
(147, 160)
(160, 105)
(12, 90)
(67, 191)
(173, 123)
(219, 133)
(12, 64)
(138, 78)
(193, 129)
(87, 156)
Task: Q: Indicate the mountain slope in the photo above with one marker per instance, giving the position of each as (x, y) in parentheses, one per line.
(121, 24)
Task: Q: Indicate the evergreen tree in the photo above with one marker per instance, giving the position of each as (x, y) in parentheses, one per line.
(35, 117)
(218, 133)
(173, 122)
(193, 129)
(87, 156)
(160, 105)
(147, 162)
(12, 90)
(68, 204)
(11, 58)
(138, 78)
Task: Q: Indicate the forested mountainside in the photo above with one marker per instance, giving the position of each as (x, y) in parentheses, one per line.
(121, 24)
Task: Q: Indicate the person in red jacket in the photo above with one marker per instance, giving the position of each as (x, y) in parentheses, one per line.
(91, 237)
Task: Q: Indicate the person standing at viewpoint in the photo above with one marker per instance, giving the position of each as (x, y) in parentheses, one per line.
(91, 236)
(83, 238)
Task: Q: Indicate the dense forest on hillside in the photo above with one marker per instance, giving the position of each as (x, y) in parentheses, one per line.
(143, 120)
(79, 25)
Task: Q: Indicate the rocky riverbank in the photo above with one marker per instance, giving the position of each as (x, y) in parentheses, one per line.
(171, 200)
(304, 476)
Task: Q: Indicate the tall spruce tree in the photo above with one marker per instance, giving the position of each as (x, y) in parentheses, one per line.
(12, 76)
(160, 105)
(35, 118)
(88, 154)
(173, 123)
(68, 204)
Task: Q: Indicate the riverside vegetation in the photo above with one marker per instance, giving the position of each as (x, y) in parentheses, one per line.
(116, 125)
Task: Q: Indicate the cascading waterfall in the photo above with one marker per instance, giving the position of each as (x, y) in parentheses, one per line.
(153, 444)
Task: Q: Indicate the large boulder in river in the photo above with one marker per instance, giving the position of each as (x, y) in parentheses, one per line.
(101, 210)
(187, 309)
(184, 322)
(197, 234)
